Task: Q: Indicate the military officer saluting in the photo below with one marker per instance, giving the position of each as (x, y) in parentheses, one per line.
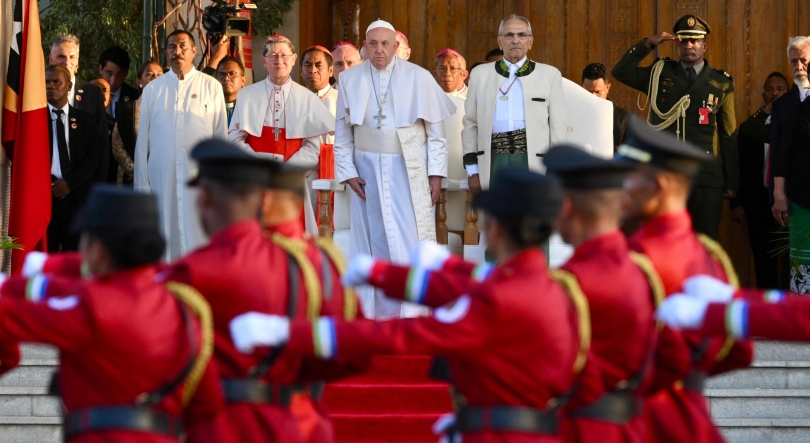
(693, 100)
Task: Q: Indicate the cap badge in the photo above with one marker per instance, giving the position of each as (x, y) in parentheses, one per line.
(634, 154)
(690, 22)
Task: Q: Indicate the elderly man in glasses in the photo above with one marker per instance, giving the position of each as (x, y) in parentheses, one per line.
(515, 109)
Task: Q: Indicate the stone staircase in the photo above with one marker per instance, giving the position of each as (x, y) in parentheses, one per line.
(769, 402)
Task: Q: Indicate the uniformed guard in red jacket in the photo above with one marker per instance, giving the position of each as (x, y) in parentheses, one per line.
(134, 353)
(716, 308)
(513, 341)
(658, 190)
(243, 268)
(321, 264)
(621, 287)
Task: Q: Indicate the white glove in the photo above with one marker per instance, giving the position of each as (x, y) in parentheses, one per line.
(3, 278)
(33, 264)
(358, 271)
(254, 329)
(708, 289)
(429, 255)
(682, 311)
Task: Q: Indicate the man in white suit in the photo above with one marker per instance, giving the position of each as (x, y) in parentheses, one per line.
(515, 109)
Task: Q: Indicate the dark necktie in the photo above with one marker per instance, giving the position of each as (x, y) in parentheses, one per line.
(691, 75)
(231, 107)
(61, 143)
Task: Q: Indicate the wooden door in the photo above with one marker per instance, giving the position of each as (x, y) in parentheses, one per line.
(748, 39)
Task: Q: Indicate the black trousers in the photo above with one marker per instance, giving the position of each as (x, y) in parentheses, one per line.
(60, 236)
(705, 205)
(765, 238)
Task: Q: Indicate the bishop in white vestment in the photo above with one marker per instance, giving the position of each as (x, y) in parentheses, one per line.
(280, 119)
(390, 148)
(178, 110)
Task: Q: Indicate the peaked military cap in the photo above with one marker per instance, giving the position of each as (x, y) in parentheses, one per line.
(517, 192)
(118, 207)
(224, 161)
(691, 26)
(580, 170)
(644, 145)
(287, 177)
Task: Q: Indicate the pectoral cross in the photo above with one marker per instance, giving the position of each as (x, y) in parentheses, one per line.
(276, 132)
(379, 117)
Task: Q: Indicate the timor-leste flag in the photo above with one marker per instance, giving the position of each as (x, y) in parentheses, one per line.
(25, 134)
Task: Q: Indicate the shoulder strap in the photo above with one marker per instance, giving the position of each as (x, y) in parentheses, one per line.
(296, 249)
(192, 373)
(349, 297)
(658, 293)
(264, 365)
(719, 254)
(572, 288)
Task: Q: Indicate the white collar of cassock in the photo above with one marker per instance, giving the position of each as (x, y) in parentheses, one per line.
(186, 77)
(322, 92)
(388, 68)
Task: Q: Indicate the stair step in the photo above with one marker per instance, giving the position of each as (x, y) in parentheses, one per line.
(759, 403)
(768, 433)
(775, 351)
(388, 428)
(387, 399)
(780, 374)
(395, 369)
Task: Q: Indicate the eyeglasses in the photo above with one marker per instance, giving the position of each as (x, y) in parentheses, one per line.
(444, 69)
(520, 35)
(274, 57)
(229, 75)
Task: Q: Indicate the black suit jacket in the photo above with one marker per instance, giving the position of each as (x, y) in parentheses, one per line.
(125, 117)
(84, 147)
(88, 98)
(792, 160)
(752, 136)
(780, 113)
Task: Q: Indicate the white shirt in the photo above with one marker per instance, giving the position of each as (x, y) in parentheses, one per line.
(114, 96)
(803, 93)
(72, 93)
(56, 168)
(461, 93)
(510, 114)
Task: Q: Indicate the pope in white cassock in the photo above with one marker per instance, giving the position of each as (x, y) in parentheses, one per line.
(280, 119)
(178, 110)
(390, 148)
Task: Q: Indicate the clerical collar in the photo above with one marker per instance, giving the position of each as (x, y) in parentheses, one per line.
(186, 76)
(322, 92)
(281, 86)
(698, 67)
(388, 68)
(525, 67)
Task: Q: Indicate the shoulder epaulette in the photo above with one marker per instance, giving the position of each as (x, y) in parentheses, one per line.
(724, 73)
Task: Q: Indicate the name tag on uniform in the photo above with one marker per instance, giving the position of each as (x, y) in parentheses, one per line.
(704, 116)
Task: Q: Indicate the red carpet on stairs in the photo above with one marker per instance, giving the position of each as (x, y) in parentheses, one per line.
(394, 401)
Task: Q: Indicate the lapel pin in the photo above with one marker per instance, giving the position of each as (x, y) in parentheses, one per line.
(80, 91)
(72, 119)
(74, 126)
(126, 99)
(79, 97)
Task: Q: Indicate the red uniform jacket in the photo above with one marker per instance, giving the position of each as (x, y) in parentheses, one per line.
(119, 335)
(511, 340)
(767, 314)
(623, 333)
(676, 414)
(242, 270)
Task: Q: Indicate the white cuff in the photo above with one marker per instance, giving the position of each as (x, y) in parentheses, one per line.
(254, 329)
(709, 289)
(471, 169)
(34, 262)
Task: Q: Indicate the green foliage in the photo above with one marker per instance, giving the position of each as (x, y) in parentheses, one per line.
(99, 24)
(8, 243)
(269, 16)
